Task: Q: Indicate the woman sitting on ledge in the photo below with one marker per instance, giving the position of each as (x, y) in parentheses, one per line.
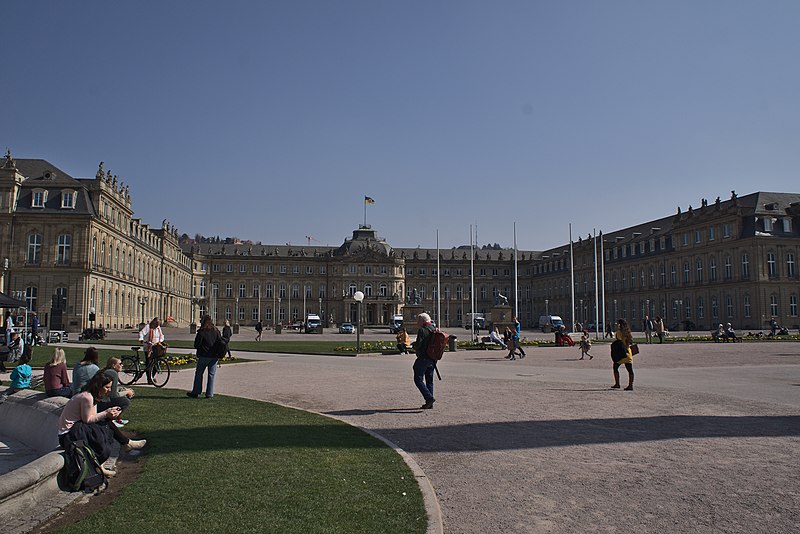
(80, 421)
(56, 376)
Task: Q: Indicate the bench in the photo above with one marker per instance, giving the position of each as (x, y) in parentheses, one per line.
(31, 460)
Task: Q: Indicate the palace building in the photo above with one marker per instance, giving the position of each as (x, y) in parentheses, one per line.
(74, 251)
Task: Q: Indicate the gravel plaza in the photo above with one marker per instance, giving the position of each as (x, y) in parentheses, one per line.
(708, 440)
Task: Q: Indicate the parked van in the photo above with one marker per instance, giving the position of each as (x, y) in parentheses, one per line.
(479, 321)
(550, 323)
(313, 323)
(395, 324)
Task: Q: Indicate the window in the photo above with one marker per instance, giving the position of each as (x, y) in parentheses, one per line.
(787, 225)
(746, 301)
(229, 290)
(383, 290)
(701, 310)
(745, 266)
(256, 268)
(673, 275)
(241, 313)
(726, 230)
(711, 233)
(64, 244)
(228, 313)
(712, 269)
(687, 307)
(367, 290)
(714, 308)
(30, 297)
(34, 249)
(771, 270)
(295, 269)
(202, 289)
(215, 268)
(215, 290)
(295, 291)
(322, 269)
(269, 269)
(773, 305)
(39, 198)
(699, 267)
(698, 237)
(68, 199)
(729, 307)
(229, 268)
(685, 272)
(242, 291)
(254, 315)
(728, 268)
(790, 265)
(793, 305)
(767, 224)
(268, 291)
(268, 314)
(309, 289)
(242, 268)
(282, 291)
(256, 290)
(321, 292)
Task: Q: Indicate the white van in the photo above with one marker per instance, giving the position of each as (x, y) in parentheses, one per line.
(550, 323)
(313, 323)
(395, 324)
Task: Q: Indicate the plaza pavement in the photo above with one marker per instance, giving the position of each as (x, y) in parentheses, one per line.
(709, 440)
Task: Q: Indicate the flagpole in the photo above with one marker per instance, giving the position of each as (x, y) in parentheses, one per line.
(596, 291)
(365, 212)
(472, 283)
(602, 284)
(516, 275)
(438, 285)
(571, 280)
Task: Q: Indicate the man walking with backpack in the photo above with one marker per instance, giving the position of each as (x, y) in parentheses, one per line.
(423, 365)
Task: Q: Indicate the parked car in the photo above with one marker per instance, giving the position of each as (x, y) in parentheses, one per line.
(346, 328)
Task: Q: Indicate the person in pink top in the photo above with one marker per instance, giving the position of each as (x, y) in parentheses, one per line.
(80, 421)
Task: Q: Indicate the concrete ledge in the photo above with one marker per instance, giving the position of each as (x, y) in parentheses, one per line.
(28, 424)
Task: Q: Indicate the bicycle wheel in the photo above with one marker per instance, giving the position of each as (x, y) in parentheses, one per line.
(160, 372)
(130, 370)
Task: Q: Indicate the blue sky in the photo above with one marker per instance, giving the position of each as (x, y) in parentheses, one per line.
(271, 120)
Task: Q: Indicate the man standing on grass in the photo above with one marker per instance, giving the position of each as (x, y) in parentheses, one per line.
(424, 366)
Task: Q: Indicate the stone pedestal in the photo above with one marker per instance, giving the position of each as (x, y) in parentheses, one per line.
(410, 313)
(502, 317)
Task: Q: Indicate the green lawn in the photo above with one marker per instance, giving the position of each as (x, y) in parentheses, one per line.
(297, 346)
(237, 465)
(42, 355)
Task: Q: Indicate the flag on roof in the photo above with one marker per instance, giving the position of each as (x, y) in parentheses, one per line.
(369, 200)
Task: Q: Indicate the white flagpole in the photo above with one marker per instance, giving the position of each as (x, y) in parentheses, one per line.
(438, 285)
(571, 281)
(516, 275)
(596, 292)
(602, 285)
(472, 283)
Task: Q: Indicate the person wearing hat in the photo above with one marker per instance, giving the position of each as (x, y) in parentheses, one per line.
(424, 366)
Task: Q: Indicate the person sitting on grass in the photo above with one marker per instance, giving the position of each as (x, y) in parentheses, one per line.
(403, 341)
(85, 369)
(80, 420)
(495, 337)
(120, 395)
(56, 377)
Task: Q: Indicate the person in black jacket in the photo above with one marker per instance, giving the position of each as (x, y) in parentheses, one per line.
(424, 366)
(227, 334)
(210, 347)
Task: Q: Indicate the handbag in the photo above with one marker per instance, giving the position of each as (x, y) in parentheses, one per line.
(634, 349)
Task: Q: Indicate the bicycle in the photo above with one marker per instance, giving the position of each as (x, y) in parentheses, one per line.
(133, 369)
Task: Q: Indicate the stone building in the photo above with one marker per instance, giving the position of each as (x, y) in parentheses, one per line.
(74, 244)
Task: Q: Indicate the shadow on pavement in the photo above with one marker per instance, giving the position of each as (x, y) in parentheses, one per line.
(563, 433)
(372, 412)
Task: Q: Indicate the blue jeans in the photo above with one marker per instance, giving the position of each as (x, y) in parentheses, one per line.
(66, 391)
(424, 367)
(202, 365)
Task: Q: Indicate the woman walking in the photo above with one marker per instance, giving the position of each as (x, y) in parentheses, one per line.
(210, 348)
(623, 334)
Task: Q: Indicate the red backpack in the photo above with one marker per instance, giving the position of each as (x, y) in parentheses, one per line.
(436, 345)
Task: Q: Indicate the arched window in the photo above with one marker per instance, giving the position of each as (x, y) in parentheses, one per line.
(64, 246)
(34, 249)
(367, 290)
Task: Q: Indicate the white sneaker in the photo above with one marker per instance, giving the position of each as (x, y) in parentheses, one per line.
(107, 472)
(134, 444)
(118, 424)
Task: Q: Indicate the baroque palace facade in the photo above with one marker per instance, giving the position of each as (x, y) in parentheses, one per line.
(73, 245)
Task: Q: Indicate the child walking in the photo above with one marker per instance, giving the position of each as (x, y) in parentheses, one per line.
(585, 345)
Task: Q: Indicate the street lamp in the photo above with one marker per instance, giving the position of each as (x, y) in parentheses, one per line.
(547, 306)
(320, 310)
(236, 319)
(277, 312)
(359, 297)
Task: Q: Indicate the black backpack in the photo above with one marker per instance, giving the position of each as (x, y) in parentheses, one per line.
(82, 470)
(618, 350)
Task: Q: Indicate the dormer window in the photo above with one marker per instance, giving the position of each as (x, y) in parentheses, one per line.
(767, 224)
(68, 199)
(39, 198)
